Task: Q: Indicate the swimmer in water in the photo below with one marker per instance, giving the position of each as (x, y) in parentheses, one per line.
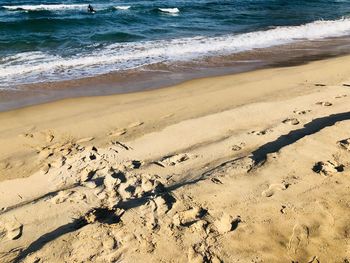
(91, 9)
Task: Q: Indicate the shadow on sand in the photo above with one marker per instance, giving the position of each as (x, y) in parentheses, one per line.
(258, 156)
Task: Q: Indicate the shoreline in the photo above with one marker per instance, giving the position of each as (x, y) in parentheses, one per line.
(162, 76)
(180, 172)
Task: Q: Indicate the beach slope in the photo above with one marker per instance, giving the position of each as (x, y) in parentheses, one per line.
(253, 167)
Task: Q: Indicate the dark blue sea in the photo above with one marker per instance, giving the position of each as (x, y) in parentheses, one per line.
(43, 41)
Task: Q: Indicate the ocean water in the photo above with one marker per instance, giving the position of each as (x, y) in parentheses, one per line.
(42, 41)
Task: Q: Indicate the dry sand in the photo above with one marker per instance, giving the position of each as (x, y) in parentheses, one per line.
(245, 168)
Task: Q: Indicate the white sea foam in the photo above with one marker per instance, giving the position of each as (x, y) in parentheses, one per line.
(122, 7)
(170, 10)
(31, 66)
(45, 7)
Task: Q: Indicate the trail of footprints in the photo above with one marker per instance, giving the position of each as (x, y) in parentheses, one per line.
(291, 121)
(173, 160)
(114, 185)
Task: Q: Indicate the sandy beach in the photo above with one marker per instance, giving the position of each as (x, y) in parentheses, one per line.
(252, 167)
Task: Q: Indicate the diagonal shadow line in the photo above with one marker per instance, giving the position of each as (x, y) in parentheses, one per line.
(35, 200)
(258, 156)
(46, 238)
(312, 127)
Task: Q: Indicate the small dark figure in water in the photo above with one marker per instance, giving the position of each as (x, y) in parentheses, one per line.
(91, 9)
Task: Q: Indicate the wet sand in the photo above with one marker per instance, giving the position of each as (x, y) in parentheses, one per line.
(167, 74)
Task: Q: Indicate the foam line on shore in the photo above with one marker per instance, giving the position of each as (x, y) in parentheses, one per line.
(26, 67)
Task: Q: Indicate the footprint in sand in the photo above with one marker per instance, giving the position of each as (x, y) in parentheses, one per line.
(216, 181)
(324, 103)
(121, 186)
(299, 239)
(341, 96)
(344, 144)
(260, 133)
(327, 168)
(301, 112)
(202, 252)
(119, 145)
(120, 132)
(291, 121)
(226, 223)
(61, 197)
(238, 147)
(28, 135)
(59, 150)
(173, 160)
(273, 188)
(12, 230)
(188, 217)
(154, 209)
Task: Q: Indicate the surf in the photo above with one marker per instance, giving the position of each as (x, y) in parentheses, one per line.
(123, 56)
(122, 7)
(44, 7)
(169, 10)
